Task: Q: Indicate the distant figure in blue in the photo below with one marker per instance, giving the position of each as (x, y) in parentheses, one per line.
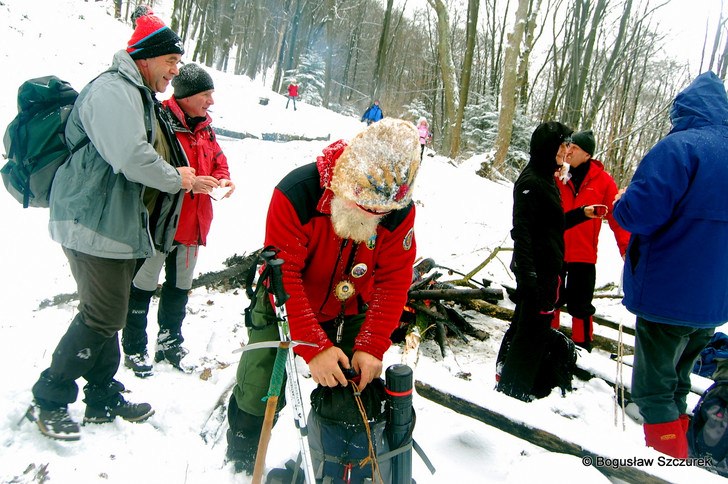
(373, 113)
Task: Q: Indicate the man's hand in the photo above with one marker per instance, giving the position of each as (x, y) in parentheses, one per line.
(204, 184)
(369, 367)
(227, 183)
(188, 177)
(619, 195)
(325, 367)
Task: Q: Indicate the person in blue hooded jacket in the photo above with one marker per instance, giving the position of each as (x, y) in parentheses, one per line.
(676, 264)
(372, 114)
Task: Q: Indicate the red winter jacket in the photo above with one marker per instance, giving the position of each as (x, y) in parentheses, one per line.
(581, 241)
(299, 225)
(207, 158)
(293, 90)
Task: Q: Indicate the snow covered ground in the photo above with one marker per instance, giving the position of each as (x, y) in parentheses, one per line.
(461, 219)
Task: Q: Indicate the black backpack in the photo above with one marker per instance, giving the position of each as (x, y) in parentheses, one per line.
(557, 365)
(708, 430)
(337, 435)
(35, 141)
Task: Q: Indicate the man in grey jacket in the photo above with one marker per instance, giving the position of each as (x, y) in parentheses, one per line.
(114, 202)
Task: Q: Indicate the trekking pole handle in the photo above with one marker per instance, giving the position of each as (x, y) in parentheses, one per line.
(276, 282)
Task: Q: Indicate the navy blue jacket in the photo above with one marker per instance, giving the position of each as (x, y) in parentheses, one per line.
(374, 112)
(676, 207)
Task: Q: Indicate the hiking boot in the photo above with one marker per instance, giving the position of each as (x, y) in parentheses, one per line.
(131, 412)
(55, 422)
(139, 364)
(173, 355)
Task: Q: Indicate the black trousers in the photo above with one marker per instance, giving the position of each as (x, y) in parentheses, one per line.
(577, 292)
(90, 347)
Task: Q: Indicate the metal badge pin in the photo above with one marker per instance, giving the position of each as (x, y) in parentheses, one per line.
(359, 270)
(344, 290)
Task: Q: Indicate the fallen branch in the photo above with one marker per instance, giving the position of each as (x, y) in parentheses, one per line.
(539, 437)
(487, 293)
(233, 276)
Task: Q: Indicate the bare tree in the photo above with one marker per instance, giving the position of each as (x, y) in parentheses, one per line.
(470, 36)
(508, 92)
(447, 71)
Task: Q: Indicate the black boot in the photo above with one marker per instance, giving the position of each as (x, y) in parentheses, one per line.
(54, 421)
(172, 311)
(117, 406)
(242, 438)
(134, 335)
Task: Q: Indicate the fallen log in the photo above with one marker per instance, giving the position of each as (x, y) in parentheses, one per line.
(485, 293)
(284, 137)
(536, 436)
(233, 134)
(231, 277)
(505, 314)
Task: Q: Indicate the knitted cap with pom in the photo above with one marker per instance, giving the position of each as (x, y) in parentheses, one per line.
(378, 167)
(151, 37)
(192, 79)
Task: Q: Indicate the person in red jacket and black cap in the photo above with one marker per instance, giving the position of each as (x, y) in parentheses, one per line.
(588, 184)
(345, 228)
(187, 110)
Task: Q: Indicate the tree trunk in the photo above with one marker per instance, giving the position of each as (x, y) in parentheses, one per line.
(447, 72)
(470, 37)
(381, 59)
(508, 92)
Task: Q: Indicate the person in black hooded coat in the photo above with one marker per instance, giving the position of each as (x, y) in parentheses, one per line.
(538, 252)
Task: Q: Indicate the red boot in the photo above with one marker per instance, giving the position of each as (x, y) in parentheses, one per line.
(582, 331)
(668, 438)
(556, 321)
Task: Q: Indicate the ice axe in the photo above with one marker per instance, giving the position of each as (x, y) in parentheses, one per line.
(285, 363)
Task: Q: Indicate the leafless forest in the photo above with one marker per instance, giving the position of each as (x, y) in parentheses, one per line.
(484, 72)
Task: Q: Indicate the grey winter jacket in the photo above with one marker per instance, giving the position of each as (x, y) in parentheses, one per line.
(96, 202)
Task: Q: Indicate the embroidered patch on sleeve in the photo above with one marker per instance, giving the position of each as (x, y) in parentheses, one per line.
(407, 242)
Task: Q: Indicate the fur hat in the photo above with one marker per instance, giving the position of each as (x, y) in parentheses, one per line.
(151, 37)
(585, 141)
(378, 167)
(192, 79)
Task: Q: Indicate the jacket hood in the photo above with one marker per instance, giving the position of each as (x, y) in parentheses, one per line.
(702, 103)
(545, 142)
(125, 65)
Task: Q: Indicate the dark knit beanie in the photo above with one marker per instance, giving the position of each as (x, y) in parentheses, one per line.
(151, 37)
(585, 141)
(192, 79)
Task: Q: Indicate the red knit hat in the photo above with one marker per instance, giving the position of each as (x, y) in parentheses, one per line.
(152, 37)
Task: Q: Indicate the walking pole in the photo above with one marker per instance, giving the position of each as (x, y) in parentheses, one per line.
(284, 356)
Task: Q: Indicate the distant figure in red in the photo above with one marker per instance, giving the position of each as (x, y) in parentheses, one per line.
(292, 94)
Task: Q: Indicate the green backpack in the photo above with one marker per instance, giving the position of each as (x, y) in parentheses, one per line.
(35, 141)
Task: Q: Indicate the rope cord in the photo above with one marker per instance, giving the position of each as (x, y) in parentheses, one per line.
(619, 380)
(371, 459)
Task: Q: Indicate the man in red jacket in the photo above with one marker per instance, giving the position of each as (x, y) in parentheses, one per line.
(588, 184)
(187, 112)
(292, 94)
(345, 228)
